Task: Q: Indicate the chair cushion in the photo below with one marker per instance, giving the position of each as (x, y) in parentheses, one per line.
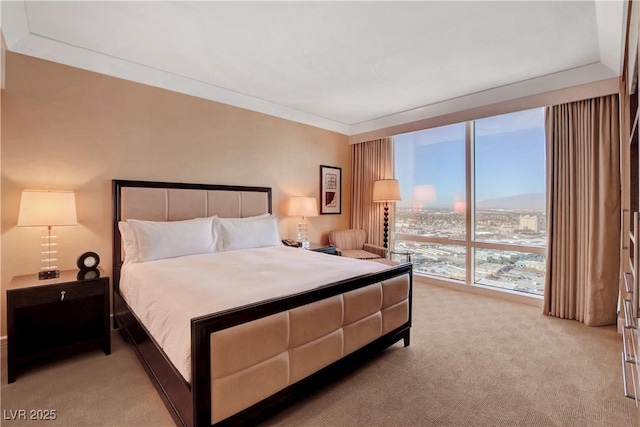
(375, 249)
(348, 239)
(360, 254)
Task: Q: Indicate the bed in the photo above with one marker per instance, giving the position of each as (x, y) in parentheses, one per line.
(230, 337)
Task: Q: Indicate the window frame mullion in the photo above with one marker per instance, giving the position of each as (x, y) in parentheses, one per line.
(469, 211)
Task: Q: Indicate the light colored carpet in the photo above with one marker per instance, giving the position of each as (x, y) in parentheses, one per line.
(473, 361)
(90, 389)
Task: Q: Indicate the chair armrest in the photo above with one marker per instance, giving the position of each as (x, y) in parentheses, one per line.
(379, 250)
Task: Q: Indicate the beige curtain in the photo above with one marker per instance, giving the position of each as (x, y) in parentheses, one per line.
(370, 161)
(583, 228)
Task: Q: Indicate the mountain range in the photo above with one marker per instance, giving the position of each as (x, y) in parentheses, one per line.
(531, 201)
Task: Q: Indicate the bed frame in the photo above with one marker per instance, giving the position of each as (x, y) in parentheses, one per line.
(190, 404)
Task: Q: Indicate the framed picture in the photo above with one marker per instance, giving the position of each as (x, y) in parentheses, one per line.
(330, 190)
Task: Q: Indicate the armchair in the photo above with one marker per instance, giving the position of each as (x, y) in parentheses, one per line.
(352, 243)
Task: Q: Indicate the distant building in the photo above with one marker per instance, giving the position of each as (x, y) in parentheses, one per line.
(530, 222)
(533, 265)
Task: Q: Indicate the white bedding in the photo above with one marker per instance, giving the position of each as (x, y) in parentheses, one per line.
(166, 294)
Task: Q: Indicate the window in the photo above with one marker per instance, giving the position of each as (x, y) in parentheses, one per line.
(430, 166)
(440, 260)
(510, 178)
(517, 271)
(496, 166)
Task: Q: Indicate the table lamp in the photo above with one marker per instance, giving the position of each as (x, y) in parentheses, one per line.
(41, 208)
(303, 207)
(385, 191)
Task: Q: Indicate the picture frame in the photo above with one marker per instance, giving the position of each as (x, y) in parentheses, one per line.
(330, 190)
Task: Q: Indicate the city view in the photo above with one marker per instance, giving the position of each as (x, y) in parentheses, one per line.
(514, 270)
(505, 156)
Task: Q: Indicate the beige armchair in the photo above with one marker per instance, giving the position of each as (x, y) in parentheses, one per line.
(352, 243)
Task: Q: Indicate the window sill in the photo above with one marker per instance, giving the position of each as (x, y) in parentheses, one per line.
(505, 294)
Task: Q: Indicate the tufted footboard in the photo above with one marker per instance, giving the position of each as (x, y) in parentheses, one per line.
(254, 360)
(251, 362)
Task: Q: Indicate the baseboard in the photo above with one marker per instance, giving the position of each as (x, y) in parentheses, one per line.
(512, 296)
(113, 324)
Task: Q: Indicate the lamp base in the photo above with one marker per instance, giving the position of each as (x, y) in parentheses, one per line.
(386, 229)
(303, 233)
(48, 274)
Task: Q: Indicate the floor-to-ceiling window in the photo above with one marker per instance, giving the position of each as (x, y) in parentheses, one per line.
(473, 201)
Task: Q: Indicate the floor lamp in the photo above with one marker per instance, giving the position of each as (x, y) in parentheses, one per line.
(385, 191)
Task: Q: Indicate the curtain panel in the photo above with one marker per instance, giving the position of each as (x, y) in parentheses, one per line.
(583, 206)
(370, 161)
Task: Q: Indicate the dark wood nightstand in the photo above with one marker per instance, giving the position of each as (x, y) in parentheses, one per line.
(56, 317)
(327, 249)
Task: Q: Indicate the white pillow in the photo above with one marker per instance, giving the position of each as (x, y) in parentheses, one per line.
(217, 223)
(245, 233)
(170, 239)
(129, 245)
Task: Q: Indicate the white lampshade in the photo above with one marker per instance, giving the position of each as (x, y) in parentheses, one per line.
(47, 208)
(303, 206)
(386, 190)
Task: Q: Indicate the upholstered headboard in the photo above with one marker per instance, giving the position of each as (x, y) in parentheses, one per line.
(170, 201)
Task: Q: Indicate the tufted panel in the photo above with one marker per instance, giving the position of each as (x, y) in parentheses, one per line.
(186, 204)
(232, 394)
(247, 344)
(144, 203)
(162, 204)
(394, 316)
(362, 302)
(255, 359)
(362, 332)
(305, 326)
(315, 355)
(394, 290)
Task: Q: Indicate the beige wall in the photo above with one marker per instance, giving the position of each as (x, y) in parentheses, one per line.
(69, 129)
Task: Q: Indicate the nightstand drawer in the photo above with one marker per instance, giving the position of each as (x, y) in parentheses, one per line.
(60, 292)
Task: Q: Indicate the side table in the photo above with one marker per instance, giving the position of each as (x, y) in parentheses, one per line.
(403, 252)
(55, 317)
(327, 249)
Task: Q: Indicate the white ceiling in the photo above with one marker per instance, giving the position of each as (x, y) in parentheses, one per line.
(350, 67)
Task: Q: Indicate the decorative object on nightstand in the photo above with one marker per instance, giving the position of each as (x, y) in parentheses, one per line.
(88, 261)
(60, 318)
(385, 191)
(41, 208)
(303, 207)
(88, 265)
(291, 243)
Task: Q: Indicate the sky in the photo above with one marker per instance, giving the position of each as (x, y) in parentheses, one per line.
(509, 160)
